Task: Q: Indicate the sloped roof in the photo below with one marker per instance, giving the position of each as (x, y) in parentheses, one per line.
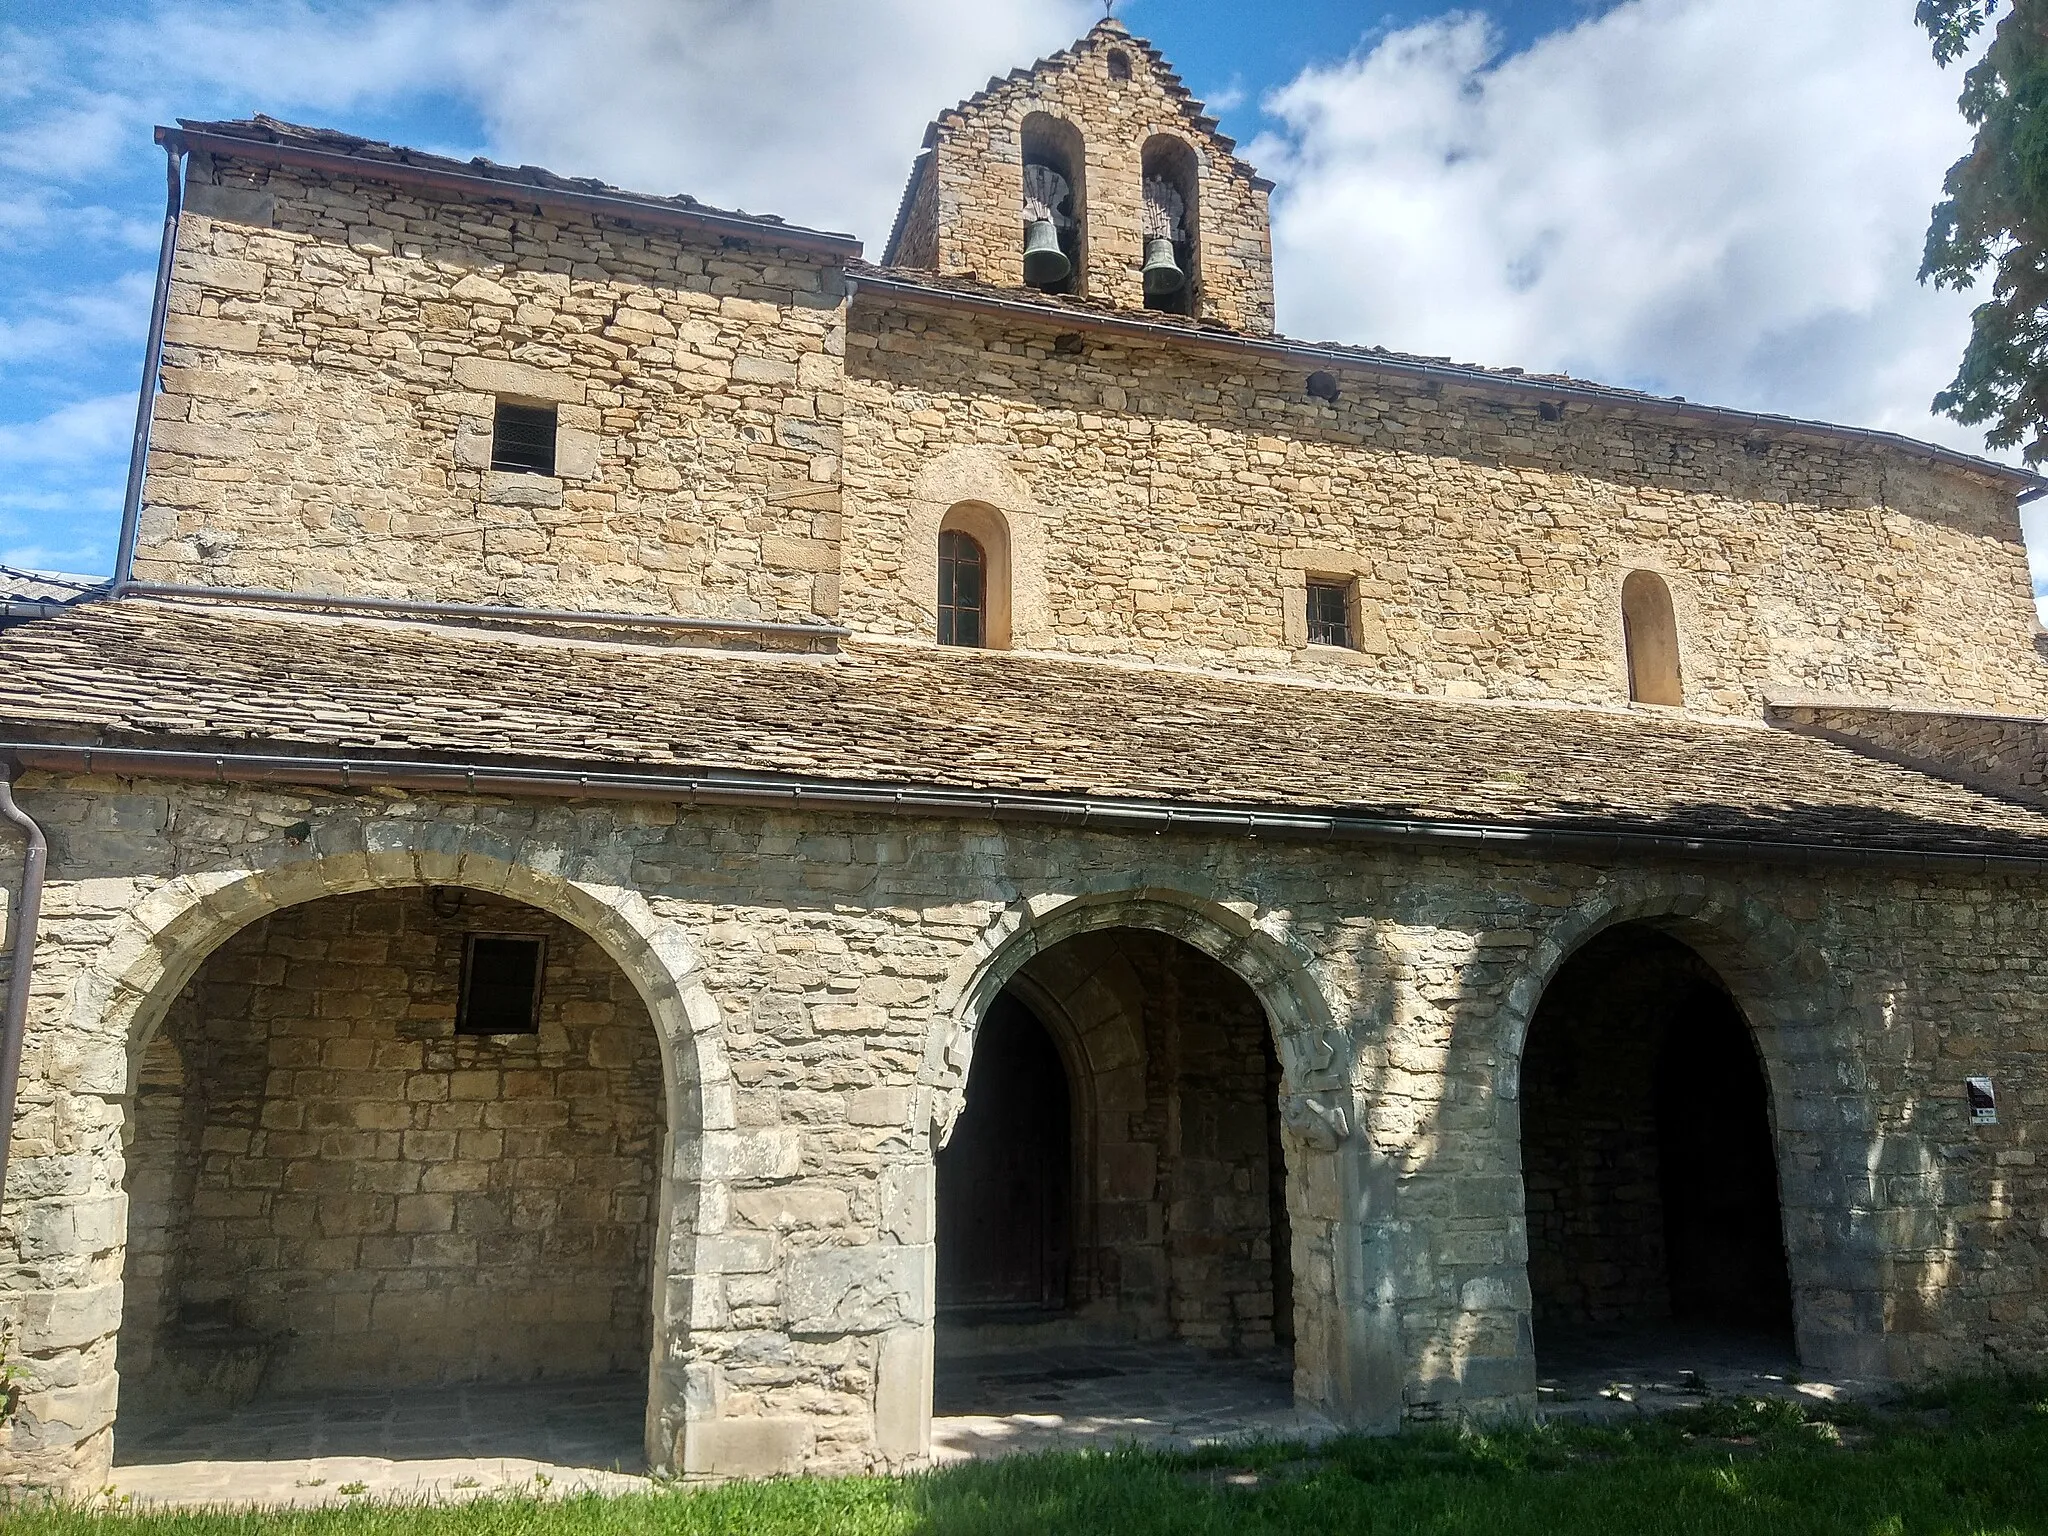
(267, 138)
(18, 584)
(141, 673)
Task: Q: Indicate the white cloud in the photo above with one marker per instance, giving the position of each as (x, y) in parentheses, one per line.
(82, 432)
(813, 109)
(60, 484)
(61, 324)
(1723, 199)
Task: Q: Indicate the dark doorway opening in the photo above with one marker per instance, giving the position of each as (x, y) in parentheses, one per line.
(1648, 1161)
(1005, 1178)
(1114, 1244)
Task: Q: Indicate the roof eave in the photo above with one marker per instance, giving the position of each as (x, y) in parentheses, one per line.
(236, 762)
(648, 211)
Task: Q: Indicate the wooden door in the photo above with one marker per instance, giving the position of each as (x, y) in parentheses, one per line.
(1005, 1186)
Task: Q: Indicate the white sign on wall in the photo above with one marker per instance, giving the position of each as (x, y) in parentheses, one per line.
(1983, 1100)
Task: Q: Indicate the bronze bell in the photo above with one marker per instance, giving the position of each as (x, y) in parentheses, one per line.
(1162, 273)
(1044, 262)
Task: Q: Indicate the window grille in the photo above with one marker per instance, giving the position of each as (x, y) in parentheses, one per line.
(963, 590)
(1329, 614)
(523, 439)
(501, 974)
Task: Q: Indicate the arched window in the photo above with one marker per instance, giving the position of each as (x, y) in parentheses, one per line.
(1171, 216)
(963, 590)
(974, 577)
(1649, 633)
(1055, 206)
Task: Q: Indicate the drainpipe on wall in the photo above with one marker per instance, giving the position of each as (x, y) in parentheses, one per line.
(27, 913)
(152, 366)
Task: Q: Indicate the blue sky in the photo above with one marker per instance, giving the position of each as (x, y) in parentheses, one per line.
(1717, 198)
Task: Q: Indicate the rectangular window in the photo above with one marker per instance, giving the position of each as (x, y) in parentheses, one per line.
(500, 984)
(1329, 613)
(523, 439)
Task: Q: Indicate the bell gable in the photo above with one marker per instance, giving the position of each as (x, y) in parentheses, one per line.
(1094, 173)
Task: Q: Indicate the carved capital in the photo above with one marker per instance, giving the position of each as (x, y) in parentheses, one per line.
(1317, 1118)
(1316, 1104)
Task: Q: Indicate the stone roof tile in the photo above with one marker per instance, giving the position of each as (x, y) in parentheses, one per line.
(262, 130)
(142, 673)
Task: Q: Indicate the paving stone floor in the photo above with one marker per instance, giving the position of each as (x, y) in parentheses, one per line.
(1606, 1373)
(1066, 1397)
(563, 1437)
(422, 1443)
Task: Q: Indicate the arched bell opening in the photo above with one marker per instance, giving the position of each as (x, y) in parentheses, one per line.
(1656, 1238)
(401, 1147)
(1113, 1198)
(1055, 205)
(1172, 218)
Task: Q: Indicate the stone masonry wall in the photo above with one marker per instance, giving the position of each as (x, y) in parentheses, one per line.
(1999, 754)
(1589, 1147)
(387, 1200)
(333, 353)
(1170, 503)
(975, 224)
(162, 1153)
(806, 968)
(1173, 1181)
(1205, 1027)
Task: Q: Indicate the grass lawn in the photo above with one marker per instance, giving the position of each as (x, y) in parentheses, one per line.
(1969, 1457)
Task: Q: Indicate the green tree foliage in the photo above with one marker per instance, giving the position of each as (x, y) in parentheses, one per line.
(1996, 214)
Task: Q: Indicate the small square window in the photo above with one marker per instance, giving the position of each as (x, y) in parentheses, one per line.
(523, 439)
(1329, 613)
(500, 984)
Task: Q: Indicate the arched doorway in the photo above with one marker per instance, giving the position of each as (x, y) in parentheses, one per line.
(1649, 1167)
(406, 1141)
(1112, 1202)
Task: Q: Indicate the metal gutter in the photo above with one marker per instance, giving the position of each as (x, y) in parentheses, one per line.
(1332, 356)
(402, 607)
(783, 792)
(620, 205)
(18, 608)
(23, 922)
(152, 361)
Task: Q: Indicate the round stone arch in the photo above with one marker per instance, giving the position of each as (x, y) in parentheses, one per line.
(1091, 1013)
(1798, 1017)
(979, 490)
(1347, 1345)
(1314, 1052)
(157, 947)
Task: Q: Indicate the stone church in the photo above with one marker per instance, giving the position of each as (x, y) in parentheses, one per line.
(651, 800)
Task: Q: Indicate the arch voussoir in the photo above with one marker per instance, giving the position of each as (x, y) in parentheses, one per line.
(151, 950)
(1799, 1020)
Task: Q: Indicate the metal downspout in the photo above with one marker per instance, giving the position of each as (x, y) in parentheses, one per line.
(152, 365)
(27, 913)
